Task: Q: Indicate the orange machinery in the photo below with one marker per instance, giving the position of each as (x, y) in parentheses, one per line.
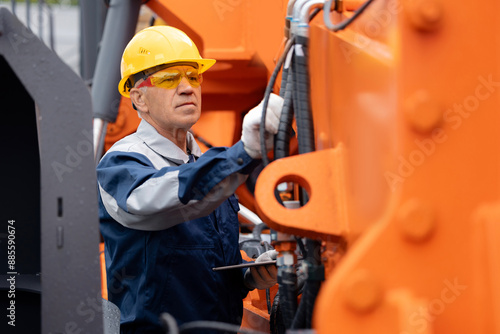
(244, 37)
(405, 175)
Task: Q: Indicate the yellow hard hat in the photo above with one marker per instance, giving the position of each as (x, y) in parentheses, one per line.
(158, 45)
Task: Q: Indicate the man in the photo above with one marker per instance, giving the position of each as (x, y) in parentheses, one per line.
(168, 213)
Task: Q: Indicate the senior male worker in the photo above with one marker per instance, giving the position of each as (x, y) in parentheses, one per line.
(168, 214)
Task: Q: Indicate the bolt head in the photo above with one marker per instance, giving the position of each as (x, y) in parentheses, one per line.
(416, 220)
(362, 293)
(422, 111)
(425, 15)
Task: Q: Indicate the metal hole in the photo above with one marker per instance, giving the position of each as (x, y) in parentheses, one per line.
(59, 207)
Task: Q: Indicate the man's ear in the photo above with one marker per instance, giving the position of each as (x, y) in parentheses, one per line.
(137, 97)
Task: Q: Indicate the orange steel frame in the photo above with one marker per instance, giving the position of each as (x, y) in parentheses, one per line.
(405, 106)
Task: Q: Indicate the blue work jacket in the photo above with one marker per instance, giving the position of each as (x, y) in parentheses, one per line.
(166, 223)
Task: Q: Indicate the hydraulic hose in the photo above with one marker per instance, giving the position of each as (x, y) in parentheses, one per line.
(287, 275)
(284, 79)
(267, 93)
(285, 82)
(306, 16)
(276, 320)
(314, 276)
(305, 134)
(302, 105)
(276, 323)
(295, 91)
(282, 139)
(299, 319)
(287, 288)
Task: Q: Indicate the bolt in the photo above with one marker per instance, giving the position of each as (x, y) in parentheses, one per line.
(361, 292)
(425, 15)
(431, 12)
(422, 111)
(416, 220)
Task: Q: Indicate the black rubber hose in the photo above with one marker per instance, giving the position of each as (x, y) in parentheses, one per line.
(287, 275)
(315, 276)
(303, 316)
(276, 324)
(301, 103)
(168, 322)
(284, 78)
(305, 129)
(300, 315)
(285, 130)
(287, 280)
(282, 139)
(313, 290)
(297, 98)
(303, 114)
(267, 94)
(302, 248)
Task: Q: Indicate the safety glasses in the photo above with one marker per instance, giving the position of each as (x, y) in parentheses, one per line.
(171, 78)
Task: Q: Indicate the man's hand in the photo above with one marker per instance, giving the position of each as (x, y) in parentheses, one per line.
(251, 125)
(262, 277)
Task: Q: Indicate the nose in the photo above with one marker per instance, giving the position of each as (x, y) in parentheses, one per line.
(184, 86)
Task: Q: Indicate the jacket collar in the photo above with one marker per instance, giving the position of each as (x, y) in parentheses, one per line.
(164, 146)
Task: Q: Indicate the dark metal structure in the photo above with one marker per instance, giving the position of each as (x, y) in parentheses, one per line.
(92, 18)
(48, 190)
(121, 20)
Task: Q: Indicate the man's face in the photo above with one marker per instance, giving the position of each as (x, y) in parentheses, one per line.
(172, 109)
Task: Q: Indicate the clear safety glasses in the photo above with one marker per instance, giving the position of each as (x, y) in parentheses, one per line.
(171, 78)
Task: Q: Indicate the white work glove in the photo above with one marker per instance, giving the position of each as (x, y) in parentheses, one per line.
(251, 124)
(262, 277)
